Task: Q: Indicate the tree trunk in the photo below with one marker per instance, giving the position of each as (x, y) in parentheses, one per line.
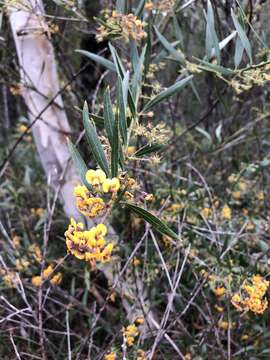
(40, 84)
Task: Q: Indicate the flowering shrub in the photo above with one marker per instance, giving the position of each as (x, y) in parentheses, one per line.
(167, 254)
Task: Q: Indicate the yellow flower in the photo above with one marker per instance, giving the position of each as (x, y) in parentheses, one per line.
(131, 150)
(253, 298)
(236, 195)
(48, 271)
(110, 356)
(22, 264)
(35, 250)
(130, 332)
(56, 279)
(95, 177)
(226, 213)
(36, 280)
(22, 128)
(224, 325)
(219, 291)
(111, 185)
(88, 245)
(206, 212)
(232, 178)
(87, 204)
(16, 240)
(139, 320)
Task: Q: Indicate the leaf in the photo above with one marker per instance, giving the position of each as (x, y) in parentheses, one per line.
(121, 72)
(177, 29)
(148, 149)
(94, 141)
(99, 59)
(122, 93)
(238, 54)
(137, 78)
(121, 6)
(167, 93)
(98, 120)
(108, 115)
(139, 9)
(242, 35)
(211, 38)
(134, 55)
(159, 225)
(78, 161)
(115, 149)
(117, 61)
(168, 46)
(215, 68)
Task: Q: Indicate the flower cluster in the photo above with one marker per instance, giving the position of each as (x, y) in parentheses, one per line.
(55, 280)
(130, 333)
(98, 179)
(119, 25)
(89, 245)
(87, 204)
(251, 297)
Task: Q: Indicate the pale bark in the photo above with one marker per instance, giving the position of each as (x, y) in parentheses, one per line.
(39, 80)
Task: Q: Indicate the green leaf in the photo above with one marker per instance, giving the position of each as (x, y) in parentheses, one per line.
(78, 161)
(137, 78)
(148, 149)
(238, 54)
(99, 59)
(115, 149)
(122, 93)
(121, 72)
(121, 6)
(215, 68)
(167, 93)
(134, 55)
(117, 61)
(98, 120)
(159, 225)
(109, 119)
(168, 46)
(94, 141)
(211, 38)
(177, 29)
(139, 9)
(242, 35)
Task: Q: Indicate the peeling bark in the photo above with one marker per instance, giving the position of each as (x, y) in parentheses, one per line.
(39, 80)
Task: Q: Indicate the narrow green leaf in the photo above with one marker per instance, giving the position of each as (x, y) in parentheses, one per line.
(109, 119)
(121, 72)
(167, 93)
(242, 35)
(99, 59)
(134, 55)
(137, 78)
(215, 68)
(177, 29)
(121, 6)
(148, 149)
(122, 93)
(238, 54)
(168, 46)
(115, 149)
(78, 161)
(159, 225)
(117, 61)
(94, 141)
(139, 9)
(211, 38)
(98, 120)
